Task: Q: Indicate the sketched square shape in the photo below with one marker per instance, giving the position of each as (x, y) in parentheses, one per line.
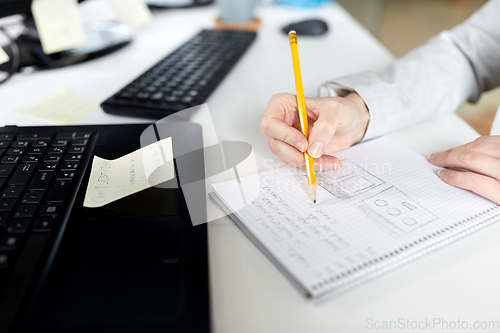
(395, 211)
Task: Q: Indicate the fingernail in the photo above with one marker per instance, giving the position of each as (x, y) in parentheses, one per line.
(431, 156)
(316, 149)
(336, 166)
(441, 173)
(299, 146)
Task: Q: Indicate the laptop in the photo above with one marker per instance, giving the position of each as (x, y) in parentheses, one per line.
(135, 265)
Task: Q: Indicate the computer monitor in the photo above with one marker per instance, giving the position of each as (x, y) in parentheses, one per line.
(11, 7)
(101, 39)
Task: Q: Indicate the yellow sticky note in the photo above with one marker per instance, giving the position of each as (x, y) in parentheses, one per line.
(58, 23)
(111, 180)
(131, 12)
(60, 108)
(4, 57)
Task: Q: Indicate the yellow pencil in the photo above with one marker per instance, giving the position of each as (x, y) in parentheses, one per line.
(301, 103)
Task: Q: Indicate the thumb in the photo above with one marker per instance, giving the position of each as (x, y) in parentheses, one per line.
(322, 132)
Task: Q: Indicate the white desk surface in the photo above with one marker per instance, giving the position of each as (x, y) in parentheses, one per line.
(458, 282)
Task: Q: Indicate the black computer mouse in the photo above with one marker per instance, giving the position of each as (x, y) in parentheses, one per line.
(312, 27)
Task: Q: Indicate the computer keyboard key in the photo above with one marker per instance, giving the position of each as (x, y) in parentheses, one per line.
(65, 176)
(82, 135)
(60, 143)
(18, 226)
(9, 242)
(36, 151)
(4, 144)
(35, 136)
(2, 181)
(7, 137)
(10, 159)
(25, 211)
(172, 99)
(4, 260)
(56, 150)
(41, 143)
(3, 219)
(48, 167)
(142, 96)
(73, 157)
(76, 150)
(2, 151)
(59, 191)
(6, 170)
(22, 175)
(6, 205)
(187, 99)
(43, 225)
(73, 135)
(41, 181)
(157, 97)
(50, 210)
(12, 192)
(79, 142)
(21, 144)
(52, 158)
(32, 198)
(16, 151)
(69, 166)
(32, 158)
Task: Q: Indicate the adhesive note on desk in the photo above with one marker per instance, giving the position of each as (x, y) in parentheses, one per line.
(111, 180)
(4, 57)
(60, 108)
(131, 12)
(58, 23)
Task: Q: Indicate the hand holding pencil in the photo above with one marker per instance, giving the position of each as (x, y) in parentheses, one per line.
(335, 123)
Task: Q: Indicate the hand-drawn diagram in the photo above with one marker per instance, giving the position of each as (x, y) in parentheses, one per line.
(351, 180)
(395, 211)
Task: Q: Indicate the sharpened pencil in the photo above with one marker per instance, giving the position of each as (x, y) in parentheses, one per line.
(301, 104)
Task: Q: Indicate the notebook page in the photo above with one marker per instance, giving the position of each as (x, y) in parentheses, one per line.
(385, 200)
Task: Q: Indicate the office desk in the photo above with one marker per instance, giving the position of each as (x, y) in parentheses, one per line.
(248, 293)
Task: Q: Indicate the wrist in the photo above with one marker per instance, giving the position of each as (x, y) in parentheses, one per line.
(363, 114)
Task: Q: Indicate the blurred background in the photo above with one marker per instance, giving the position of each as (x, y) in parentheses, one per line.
(402, 25)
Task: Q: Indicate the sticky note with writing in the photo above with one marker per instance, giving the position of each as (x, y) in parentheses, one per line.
(111, 180)
(131, 12)
(60, 108)
(58, 23)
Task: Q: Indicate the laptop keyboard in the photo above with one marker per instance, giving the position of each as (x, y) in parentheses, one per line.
(36, 181)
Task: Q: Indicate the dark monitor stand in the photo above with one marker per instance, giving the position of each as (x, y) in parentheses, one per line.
(100, 39)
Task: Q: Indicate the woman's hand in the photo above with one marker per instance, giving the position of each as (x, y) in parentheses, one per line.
(335, 123)
(482, 158)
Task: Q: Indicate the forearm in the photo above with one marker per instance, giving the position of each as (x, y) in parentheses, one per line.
(434, 79)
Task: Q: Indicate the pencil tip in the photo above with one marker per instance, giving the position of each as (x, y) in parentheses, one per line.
(314, 201)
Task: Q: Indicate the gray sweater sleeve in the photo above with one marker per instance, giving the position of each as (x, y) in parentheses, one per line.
(434, 79)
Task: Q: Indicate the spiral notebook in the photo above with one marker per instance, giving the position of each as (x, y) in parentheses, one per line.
(385, 206)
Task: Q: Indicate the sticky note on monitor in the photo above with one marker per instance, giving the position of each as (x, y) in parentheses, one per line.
(58, 23)
(4, 57)
(131, 12)
(60, 108)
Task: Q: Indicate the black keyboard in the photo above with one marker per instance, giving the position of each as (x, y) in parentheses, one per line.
(184, 78)
(38, 176)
